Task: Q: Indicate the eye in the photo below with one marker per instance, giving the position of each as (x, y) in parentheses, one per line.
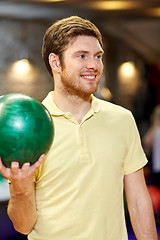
(82, 56)
(99, 57)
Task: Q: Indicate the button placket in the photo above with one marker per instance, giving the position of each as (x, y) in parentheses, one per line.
(84, 155)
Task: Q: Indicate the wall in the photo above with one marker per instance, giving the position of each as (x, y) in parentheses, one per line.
(23, 39)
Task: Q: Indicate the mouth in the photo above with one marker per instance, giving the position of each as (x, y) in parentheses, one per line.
(90, 77)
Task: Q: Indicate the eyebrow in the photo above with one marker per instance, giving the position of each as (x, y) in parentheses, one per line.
(83, 51)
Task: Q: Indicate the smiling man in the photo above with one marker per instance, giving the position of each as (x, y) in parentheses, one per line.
(76, 191)
(78, 76)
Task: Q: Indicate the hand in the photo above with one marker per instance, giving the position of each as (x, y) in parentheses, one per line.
(15, 173)
(21, 178)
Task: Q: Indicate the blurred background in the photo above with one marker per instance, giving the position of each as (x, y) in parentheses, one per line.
(131, 78)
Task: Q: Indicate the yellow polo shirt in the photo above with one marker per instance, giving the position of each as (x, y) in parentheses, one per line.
(79, 187)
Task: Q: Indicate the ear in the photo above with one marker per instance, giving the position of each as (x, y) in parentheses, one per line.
(54, 62)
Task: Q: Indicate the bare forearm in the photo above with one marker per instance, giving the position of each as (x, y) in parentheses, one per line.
(143, 221)
(22, 210)
(22, 206)
(140, 206)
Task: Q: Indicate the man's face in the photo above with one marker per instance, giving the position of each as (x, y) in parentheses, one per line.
(82, 66)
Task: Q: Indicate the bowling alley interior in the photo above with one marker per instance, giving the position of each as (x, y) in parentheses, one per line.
(131, 76)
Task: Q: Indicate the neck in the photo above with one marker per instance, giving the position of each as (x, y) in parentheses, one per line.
(78, 106)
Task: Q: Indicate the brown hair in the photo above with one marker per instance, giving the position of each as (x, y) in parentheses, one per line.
(59, 34)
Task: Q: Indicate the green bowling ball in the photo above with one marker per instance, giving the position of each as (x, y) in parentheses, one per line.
(26, 129)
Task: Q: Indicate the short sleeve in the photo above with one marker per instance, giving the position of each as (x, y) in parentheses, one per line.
(135, 157)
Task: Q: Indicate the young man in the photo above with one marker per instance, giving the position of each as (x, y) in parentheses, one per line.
(76, 192)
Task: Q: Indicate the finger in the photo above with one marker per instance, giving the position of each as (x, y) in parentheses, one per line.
(14, 170)
(2, 168)
(41, 159)
(4, 171)
(37, 164)
(24, 170)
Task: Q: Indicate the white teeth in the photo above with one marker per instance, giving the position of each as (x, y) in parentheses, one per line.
(89, 77)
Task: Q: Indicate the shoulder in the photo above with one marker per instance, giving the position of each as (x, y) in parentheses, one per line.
(112, 109)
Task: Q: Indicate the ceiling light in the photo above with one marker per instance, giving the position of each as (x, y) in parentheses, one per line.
(22, 71)
(155, 12)
(114, 5)
(127, 69)
(51, 0)
(21, 66)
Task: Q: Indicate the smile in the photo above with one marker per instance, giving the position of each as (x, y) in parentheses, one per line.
(89, 77)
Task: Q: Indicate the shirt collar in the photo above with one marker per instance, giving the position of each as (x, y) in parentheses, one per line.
(55, 111)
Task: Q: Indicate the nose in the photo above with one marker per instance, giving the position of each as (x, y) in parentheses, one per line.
(92, 63)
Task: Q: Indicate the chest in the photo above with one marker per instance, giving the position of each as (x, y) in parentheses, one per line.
(88, 146)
